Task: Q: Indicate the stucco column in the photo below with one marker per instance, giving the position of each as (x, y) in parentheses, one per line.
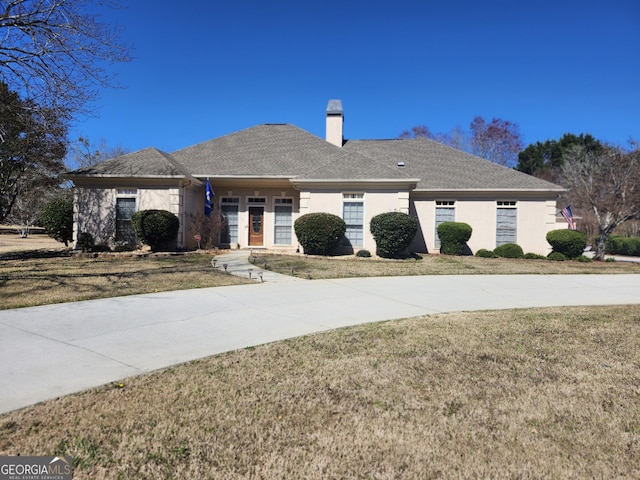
(403, 201)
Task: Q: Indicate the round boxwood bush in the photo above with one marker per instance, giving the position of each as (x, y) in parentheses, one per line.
(363, 253)
(509, 250)
(534, 256)
(319, 233)
(156, 228)
(453, 238)
(484, 253)
(570, 243)
(393, 232)
(556, 257)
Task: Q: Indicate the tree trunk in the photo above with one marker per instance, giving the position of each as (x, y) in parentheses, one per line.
(600, 247)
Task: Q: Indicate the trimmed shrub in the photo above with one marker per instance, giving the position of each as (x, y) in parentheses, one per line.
(156, 228)
(584, 259)
(631, 246)
(319, 233)
(612, 245)
(556, 257)
(534, 256)
(363, 253)
(484, 253)
(85, 242)
(453, 238)
(393, 232)
(623, 246)
(570, 243)
(509, 250)
(57, 219)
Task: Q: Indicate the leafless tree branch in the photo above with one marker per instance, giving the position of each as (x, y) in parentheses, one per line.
(607, 183)
(57, 52)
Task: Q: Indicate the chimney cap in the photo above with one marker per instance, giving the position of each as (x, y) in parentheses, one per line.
(334, 107)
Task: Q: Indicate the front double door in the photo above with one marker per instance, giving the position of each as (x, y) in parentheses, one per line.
(256, 226)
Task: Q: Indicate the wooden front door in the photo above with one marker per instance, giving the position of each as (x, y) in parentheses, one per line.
(256, 226)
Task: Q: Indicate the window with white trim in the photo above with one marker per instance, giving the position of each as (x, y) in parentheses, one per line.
(445, 212)
(126, 199)
(229, 212)
(506, 222)
(353, 216)
(282, 220)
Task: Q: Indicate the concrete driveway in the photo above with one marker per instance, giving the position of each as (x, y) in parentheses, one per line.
(54, 350)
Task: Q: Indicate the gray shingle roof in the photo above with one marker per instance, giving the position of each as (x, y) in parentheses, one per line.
(444, 168)
(264, 150)
(149, 162)
(286, 151)
(280, 150)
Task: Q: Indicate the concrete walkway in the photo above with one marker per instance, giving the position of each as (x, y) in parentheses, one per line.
(236, 262)
(54, 350)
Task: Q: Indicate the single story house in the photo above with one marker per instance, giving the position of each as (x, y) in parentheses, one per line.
(265, 177)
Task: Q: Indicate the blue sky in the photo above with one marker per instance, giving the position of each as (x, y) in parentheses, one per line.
(203, 69)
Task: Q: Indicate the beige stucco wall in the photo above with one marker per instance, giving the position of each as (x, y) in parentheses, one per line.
(94, 209)
(94, 212)
(535, 217)
(376, 201)
(269, 194)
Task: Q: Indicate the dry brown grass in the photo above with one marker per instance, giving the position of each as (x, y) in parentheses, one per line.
(37, 270)
(11, 241)
(57, 279)
(547, 393)
(316, 267)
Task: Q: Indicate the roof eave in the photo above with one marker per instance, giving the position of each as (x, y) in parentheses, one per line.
(356, 180)
(113, 175)
(489, 190)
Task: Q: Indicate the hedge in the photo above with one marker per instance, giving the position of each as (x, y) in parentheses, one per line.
(319, 233)
(623, 246)
(509, 250)
(484, 253)
(393, 232)
(570, 243)
(156, 228)
(453, 238)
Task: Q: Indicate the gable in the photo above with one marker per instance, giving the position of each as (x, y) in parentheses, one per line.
(149, 162)
(270, 150)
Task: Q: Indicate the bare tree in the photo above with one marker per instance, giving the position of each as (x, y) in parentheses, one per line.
(419, 131)
(85, 153)
(607, 183)
(55, 52)
(499, 140)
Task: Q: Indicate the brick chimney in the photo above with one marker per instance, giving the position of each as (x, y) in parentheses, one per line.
(335, 121)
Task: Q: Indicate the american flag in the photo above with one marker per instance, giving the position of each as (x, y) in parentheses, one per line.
(568, 216)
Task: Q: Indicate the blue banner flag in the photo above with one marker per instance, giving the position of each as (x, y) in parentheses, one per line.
(208, 199)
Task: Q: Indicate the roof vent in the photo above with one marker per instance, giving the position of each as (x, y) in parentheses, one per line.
(400, 164)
